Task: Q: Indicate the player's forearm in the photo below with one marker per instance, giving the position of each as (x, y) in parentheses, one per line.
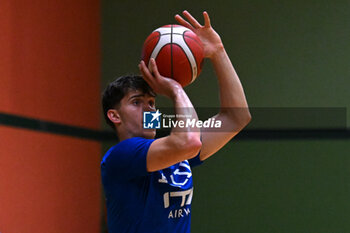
(231, 90)
(232, 97)
(185, 137)
(184, 111)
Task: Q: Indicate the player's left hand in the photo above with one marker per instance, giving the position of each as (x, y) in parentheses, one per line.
(159, 84)
(210, 38)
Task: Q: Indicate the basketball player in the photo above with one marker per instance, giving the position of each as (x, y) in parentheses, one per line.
(148, 182)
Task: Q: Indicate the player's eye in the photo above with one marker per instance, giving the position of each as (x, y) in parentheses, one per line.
(135, 102)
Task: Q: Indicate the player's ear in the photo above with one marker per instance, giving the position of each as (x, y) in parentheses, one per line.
(114, 116)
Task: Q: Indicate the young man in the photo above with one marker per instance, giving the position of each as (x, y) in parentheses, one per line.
(148, 182)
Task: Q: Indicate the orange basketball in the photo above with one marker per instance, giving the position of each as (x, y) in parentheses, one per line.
(178, 53)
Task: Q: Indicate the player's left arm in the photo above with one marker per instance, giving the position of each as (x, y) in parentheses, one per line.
(234, 112)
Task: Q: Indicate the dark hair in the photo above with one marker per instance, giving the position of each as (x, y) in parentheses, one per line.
(116, 90)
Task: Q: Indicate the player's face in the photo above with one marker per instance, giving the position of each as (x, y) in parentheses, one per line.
(131, 112)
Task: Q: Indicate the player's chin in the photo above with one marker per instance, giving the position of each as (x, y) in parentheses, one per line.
(149, 133)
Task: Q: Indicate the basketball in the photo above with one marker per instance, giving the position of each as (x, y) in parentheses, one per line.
(178, 53)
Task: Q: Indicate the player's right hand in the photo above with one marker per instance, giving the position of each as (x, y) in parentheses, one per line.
(210, 39)
(160, 84)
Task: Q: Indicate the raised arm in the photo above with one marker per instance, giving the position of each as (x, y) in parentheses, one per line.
(182, 143)
(234, 113)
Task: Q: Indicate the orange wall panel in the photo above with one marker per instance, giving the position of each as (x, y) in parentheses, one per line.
(50, 70)
(50, 60)
(48, 183)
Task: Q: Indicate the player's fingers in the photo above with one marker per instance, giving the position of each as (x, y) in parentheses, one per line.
(183, 22)
(191, 19)
(145, 71)
(154, 68)
(146, 74)
(206, 20)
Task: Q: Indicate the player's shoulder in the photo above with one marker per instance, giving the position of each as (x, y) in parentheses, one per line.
(127, 146)
(130, 143)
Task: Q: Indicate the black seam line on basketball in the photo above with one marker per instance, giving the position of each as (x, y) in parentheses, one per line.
(150, 39)
(200, 45)
(149, 57)
(21, 122)
(192, 78)
(187, 59)
(157, 55)
(171, 53)
(173, 33)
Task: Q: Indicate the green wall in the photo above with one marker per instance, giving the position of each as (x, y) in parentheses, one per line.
(268, 186)
(287, 54)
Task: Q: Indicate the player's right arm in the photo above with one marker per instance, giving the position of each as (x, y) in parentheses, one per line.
(182, 143)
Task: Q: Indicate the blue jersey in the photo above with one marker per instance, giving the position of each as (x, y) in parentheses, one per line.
(141, 201)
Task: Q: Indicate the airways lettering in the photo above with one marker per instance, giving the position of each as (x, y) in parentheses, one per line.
(183, 212)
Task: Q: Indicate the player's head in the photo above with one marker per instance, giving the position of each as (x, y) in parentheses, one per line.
(124, 101)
